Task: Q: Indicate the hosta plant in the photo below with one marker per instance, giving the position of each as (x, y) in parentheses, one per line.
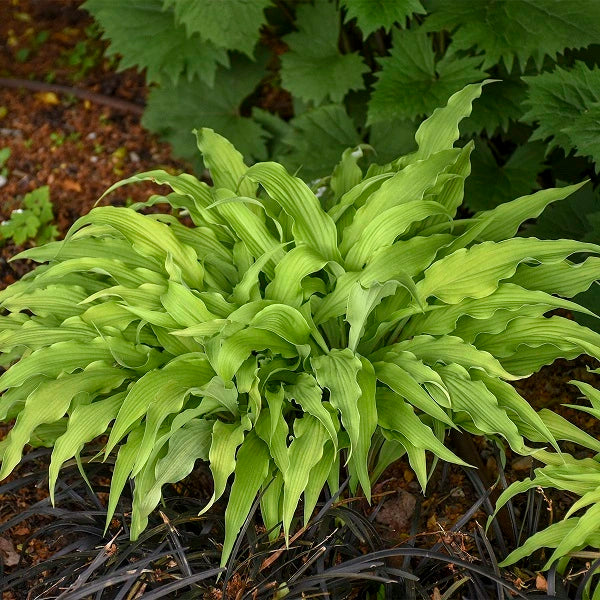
(577, 476)
(288, 335)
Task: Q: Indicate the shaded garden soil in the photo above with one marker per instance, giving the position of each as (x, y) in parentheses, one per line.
(79, 148)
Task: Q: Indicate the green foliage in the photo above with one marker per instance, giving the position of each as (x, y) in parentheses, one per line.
(505, 30)
(576, 476)
(33, 221)
(578, 217)
(148, 37)
(313, 68)
(381, 65)
(491, 184)
(318, 136)
(195, 100)
(411, 83)
(285, 337)
(565, 104)
(234, 27)
(372, 15)
(4, 156)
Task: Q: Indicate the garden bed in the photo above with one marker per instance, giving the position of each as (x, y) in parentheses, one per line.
(79, 146)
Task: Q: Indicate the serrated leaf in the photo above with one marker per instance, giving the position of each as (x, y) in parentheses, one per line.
(313, 68)
(491, 184)
(198, 105)
(375, 14)
(231, 26)
(316, 140)
(499, 105)
(146, 36)
(585, 132)
(521, 29)
(563, 104)
(412, 83)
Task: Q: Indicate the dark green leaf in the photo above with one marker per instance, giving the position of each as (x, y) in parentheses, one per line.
(499, 104)
(391, 139)
(200, 106)
(509, 29)
(314, 68)
(146, 36)
(233, 25)
(411, 83)
(317, 139)
(564, 105)
(374, 14)
(491, 184)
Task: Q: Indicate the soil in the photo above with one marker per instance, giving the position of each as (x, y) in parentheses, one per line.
(79, 148)
(76, 147)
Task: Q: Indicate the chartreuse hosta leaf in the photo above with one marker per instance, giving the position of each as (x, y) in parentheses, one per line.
(286, 338)
(580, 528)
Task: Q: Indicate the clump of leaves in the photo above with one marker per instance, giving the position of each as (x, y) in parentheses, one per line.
(578, 476)
(32, 222)
(287, 336)
(354, 71)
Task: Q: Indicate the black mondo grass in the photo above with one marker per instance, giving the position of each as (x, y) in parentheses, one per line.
(339, 554)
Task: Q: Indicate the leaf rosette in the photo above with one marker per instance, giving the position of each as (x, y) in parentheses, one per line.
(289, 335)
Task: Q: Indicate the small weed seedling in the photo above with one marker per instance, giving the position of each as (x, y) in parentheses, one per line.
(33, 221)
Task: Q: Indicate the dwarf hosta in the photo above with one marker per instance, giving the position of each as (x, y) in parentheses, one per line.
(287, 336)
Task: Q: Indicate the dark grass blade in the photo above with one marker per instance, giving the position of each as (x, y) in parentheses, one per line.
(340, 554)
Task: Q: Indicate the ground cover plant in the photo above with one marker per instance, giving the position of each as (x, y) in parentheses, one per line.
(340, 553)
(288, 335)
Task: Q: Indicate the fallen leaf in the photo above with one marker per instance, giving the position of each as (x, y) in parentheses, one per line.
(7, 553)
(522, 463)
(71, 186)
(397, 511)
(47, 98)
(540, 583)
